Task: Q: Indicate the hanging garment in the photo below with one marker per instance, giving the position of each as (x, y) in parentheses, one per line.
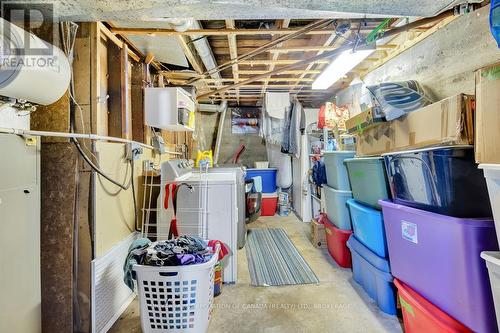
(271, 129)
(291, 135)
(276, 104)
(319, 173)
(285, 142)
(295, 120)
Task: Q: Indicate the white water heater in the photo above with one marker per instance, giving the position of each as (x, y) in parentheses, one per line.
(30, 68)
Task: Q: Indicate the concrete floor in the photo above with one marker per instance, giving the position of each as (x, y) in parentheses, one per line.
(336, 304)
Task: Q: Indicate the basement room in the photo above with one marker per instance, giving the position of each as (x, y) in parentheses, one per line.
(250, 166)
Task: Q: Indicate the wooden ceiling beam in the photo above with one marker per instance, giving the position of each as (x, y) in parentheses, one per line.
(279, 79)
(190, 54)
(291, 72)
(220, 32)
(278, 62)
(233, 52)
(392, 52)
(281, 24)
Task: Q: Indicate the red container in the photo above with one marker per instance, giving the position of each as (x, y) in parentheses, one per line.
(420, 315)
(269, 204)
(336, 240)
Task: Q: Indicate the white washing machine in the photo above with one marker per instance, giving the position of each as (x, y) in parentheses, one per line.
(207, 206)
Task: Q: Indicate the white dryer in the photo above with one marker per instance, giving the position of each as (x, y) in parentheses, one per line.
(206, 206)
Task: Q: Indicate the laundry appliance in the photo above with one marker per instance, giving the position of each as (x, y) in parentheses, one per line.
(206, 206)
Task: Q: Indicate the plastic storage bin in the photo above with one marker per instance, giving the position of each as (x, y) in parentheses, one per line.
(336, 207)
(336, 172)
(373, 274)
(336, 240)
(268, 178)
(492, 175)
(177, 298)
(493, 264)
(368, 180)
(420, 315)
(269, 204)
(439, 257)
(443, 180)
(368, 227)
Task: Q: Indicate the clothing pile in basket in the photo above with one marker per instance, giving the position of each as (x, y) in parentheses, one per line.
(184, 250)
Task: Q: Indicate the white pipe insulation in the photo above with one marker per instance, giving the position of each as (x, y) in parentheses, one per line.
(30, 68)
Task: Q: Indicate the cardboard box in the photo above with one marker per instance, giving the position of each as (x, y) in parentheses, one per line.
(318, 236)
(448, 122)
(375, 141)
(488, 114)
(363, 121)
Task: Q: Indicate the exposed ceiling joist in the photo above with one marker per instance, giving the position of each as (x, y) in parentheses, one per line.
(233, 49)
(283, 24)
(219, 32)
(279, 79)
(278, 62)
(291, 72)
(398, 49)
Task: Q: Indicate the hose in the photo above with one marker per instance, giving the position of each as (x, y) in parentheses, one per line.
(96, 169)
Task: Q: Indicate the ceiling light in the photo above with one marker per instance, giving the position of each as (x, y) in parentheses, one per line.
(340, 66)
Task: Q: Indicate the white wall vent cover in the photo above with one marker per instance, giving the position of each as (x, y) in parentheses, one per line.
(110, 295)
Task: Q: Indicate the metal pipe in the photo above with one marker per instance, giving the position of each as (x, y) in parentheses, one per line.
(220, 131)
(17, 131)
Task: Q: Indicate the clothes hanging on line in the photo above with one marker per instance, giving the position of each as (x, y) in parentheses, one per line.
(292, 129)
(276, 104)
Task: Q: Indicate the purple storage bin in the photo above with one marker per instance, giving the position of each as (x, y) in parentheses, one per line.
(439, 257)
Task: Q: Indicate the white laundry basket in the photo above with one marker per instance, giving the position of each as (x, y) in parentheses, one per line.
(492, 175)
(176, 298)
(493, 263)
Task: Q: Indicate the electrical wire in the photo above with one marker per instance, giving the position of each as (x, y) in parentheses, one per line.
(96, 168)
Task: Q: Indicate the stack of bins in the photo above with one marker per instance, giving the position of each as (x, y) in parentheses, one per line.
(492, 175)
(337, 192)
(368, 243)
(269, 202)
(437, 226)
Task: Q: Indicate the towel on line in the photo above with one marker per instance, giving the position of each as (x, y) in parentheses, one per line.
(276, 104)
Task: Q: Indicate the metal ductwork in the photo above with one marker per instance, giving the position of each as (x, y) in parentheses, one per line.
(200, 43)
(212, 107)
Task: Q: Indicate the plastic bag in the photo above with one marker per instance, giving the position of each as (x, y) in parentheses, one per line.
(396, 99)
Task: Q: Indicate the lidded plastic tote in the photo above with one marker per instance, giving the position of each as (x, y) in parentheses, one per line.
(368, 180)
(336, 172)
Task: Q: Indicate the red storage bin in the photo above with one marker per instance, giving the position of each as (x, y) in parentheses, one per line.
(420, 315)
(269, 204)
(336, 240)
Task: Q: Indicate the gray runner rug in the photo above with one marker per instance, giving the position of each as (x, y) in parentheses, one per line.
(273, 260)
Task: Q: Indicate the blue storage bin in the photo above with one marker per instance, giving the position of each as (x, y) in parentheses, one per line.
(268, 177)
(336, 207)
(443, 180)
(336, 172)
(373, 274)
(368, 226)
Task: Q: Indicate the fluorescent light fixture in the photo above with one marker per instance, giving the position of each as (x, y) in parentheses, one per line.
(342, 65)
